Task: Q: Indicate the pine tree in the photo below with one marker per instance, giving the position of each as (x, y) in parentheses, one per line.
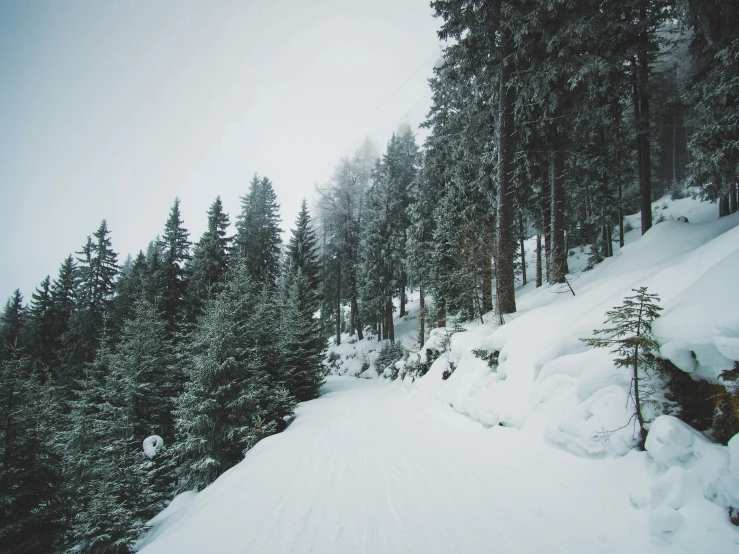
(258, 232)
(630, 338)
(63, 300)
(130, 288)
(96, 273)
(41, 321)
(175, 251)
(715, 90)
(302, 254)
(12, 326)
(30, 512)
(207, 271)
(232, 397)
(301, 340)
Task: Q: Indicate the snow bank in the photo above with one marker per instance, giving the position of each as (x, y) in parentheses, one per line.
(558, 391)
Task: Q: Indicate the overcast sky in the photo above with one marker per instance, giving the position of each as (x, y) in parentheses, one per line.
(112, 109)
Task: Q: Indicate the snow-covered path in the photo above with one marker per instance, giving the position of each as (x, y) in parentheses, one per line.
(371, 468)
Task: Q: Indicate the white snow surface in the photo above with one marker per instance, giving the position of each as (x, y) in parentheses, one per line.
(152, 445)
(532, 455)
(369, 467)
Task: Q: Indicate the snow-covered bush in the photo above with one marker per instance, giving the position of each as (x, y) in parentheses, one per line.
(390, 352)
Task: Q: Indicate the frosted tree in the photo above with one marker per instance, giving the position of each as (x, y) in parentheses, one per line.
(302, 342)
(207, 270)
(232, 397)
(258, 232)
(629, 335)
(175, 251)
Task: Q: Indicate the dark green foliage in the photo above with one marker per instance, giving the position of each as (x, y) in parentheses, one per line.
(257, 239)
(302, 252)
(31, 515)
(301, 340)
(232, 396)
(175, 251)
(41, 337)
(390, 352)
(125, 397)
(12, 326)
(486, 355)
(207, 270)
(96, 273)
(629, 337)
(715, 144)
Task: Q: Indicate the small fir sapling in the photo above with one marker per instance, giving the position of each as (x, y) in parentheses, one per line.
(629, 335)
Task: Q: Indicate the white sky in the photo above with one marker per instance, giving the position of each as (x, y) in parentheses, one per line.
(111, 109)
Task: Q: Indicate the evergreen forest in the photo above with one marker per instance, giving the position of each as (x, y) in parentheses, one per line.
(126, 380)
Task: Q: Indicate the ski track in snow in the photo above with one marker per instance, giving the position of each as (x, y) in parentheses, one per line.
(371, 468)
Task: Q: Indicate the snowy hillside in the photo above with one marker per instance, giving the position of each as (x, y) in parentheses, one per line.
(533, 453)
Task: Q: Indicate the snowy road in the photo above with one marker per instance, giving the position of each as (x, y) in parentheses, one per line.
(371, 468)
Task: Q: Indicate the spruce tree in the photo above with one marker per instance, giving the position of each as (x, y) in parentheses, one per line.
(232, 397)
(302, 343)
(31, 508)
(629, 335)
(96, 272)
(12, 326)
(175, 250)
(41, 320)
(258, 231)
(302, 253)
(207, 270)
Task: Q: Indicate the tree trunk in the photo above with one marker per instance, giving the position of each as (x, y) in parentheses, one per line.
(389, 319)
(440, 313)
(620, 215)
(338, 306)
(357, 320)
(546, 214)
(421, 317)
(645, 171)
(487, 284)
(538, 259)
(733, 199)
(523, 251)
(505, 237)
(403, 280)
(637, 401)
(559, 255)
(723, 206)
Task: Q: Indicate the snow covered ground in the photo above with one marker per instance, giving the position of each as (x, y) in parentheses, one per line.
(369, 467)
(509, 458)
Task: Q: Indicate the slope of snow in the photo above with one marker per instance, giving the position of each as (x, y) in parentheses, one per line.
(534, 454)
(369, 467)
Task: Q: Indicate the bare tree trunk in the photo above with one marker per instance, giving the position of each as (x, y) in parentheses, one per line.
(421, 317)
(724, 206)
(523, 251)
(637, 401)
(403, 280)
(389, 319)
(338, 306)
(357, 320)
(487, 284)
(505, 237)
(546, 214)
(538, 260)
(559, 255)
(645, 172)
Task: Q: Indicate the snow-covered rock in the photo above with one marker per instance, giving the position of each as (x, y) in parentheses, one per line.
(152, 446)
